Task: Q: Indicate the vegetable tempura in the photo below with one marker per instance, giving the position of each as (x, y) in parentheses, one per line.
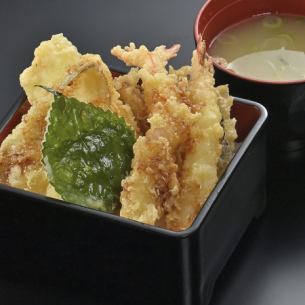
(184, 135)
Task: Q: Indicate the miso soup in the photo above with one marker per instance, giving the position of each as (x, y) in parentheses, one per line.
(267, 47)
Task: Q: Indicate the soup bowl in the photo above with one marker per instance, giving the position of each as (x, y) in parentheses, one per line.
(284, 100)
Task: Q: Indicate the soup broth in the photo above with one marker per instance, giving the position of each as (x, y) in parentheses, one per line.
(267, 47)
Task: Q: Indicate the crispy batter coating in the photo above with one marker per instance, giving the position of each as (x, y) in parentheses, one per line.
(158, 155)
(170, 182)
(131, 94)
(51, 63)
(225, 102)
(57, 64)
(141, 57)
(199, 169)
(20, 152)
(90, 81)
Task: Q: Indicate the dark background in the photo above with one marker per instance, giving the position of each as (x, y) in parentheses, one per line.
(268, 267)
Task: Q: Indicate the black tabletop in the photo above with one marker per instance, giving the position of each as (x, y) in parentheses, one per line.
(268, 267)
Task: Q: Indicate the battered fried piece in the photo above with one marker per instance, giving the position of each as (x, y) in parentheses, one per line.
(225, 102)
(131, 93)
(131, 86)
(152, 179)
(153, 62)
(154, 176)
(20, 152)
(90, 81)
(170, 182)
(199, 169)
(57, 64)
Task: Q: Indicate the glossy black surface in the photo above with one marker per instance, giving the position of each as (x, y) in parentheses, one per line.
(268, 266)
(74, 247)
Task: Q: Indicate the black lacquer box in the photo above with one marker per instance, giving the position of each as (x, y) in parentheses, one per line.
(125, 262)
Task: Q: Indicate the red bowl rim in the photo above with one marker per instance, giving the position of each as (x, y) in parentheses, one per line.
(254, 80)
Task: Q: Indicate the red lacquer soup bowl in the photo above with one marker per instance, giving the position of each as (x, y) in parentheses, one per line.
(285, 101)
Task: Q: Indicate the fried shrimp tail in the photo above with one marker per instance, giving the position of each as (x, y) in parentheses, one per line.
(153, 61)
(199, 169)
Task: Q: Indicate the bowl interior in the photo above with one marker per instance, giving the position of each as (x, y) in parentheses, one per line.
(246, 115)
(217, 15)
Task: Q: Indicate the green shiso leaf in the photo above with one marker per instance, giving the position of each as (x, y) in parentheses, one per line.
(87, 152)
